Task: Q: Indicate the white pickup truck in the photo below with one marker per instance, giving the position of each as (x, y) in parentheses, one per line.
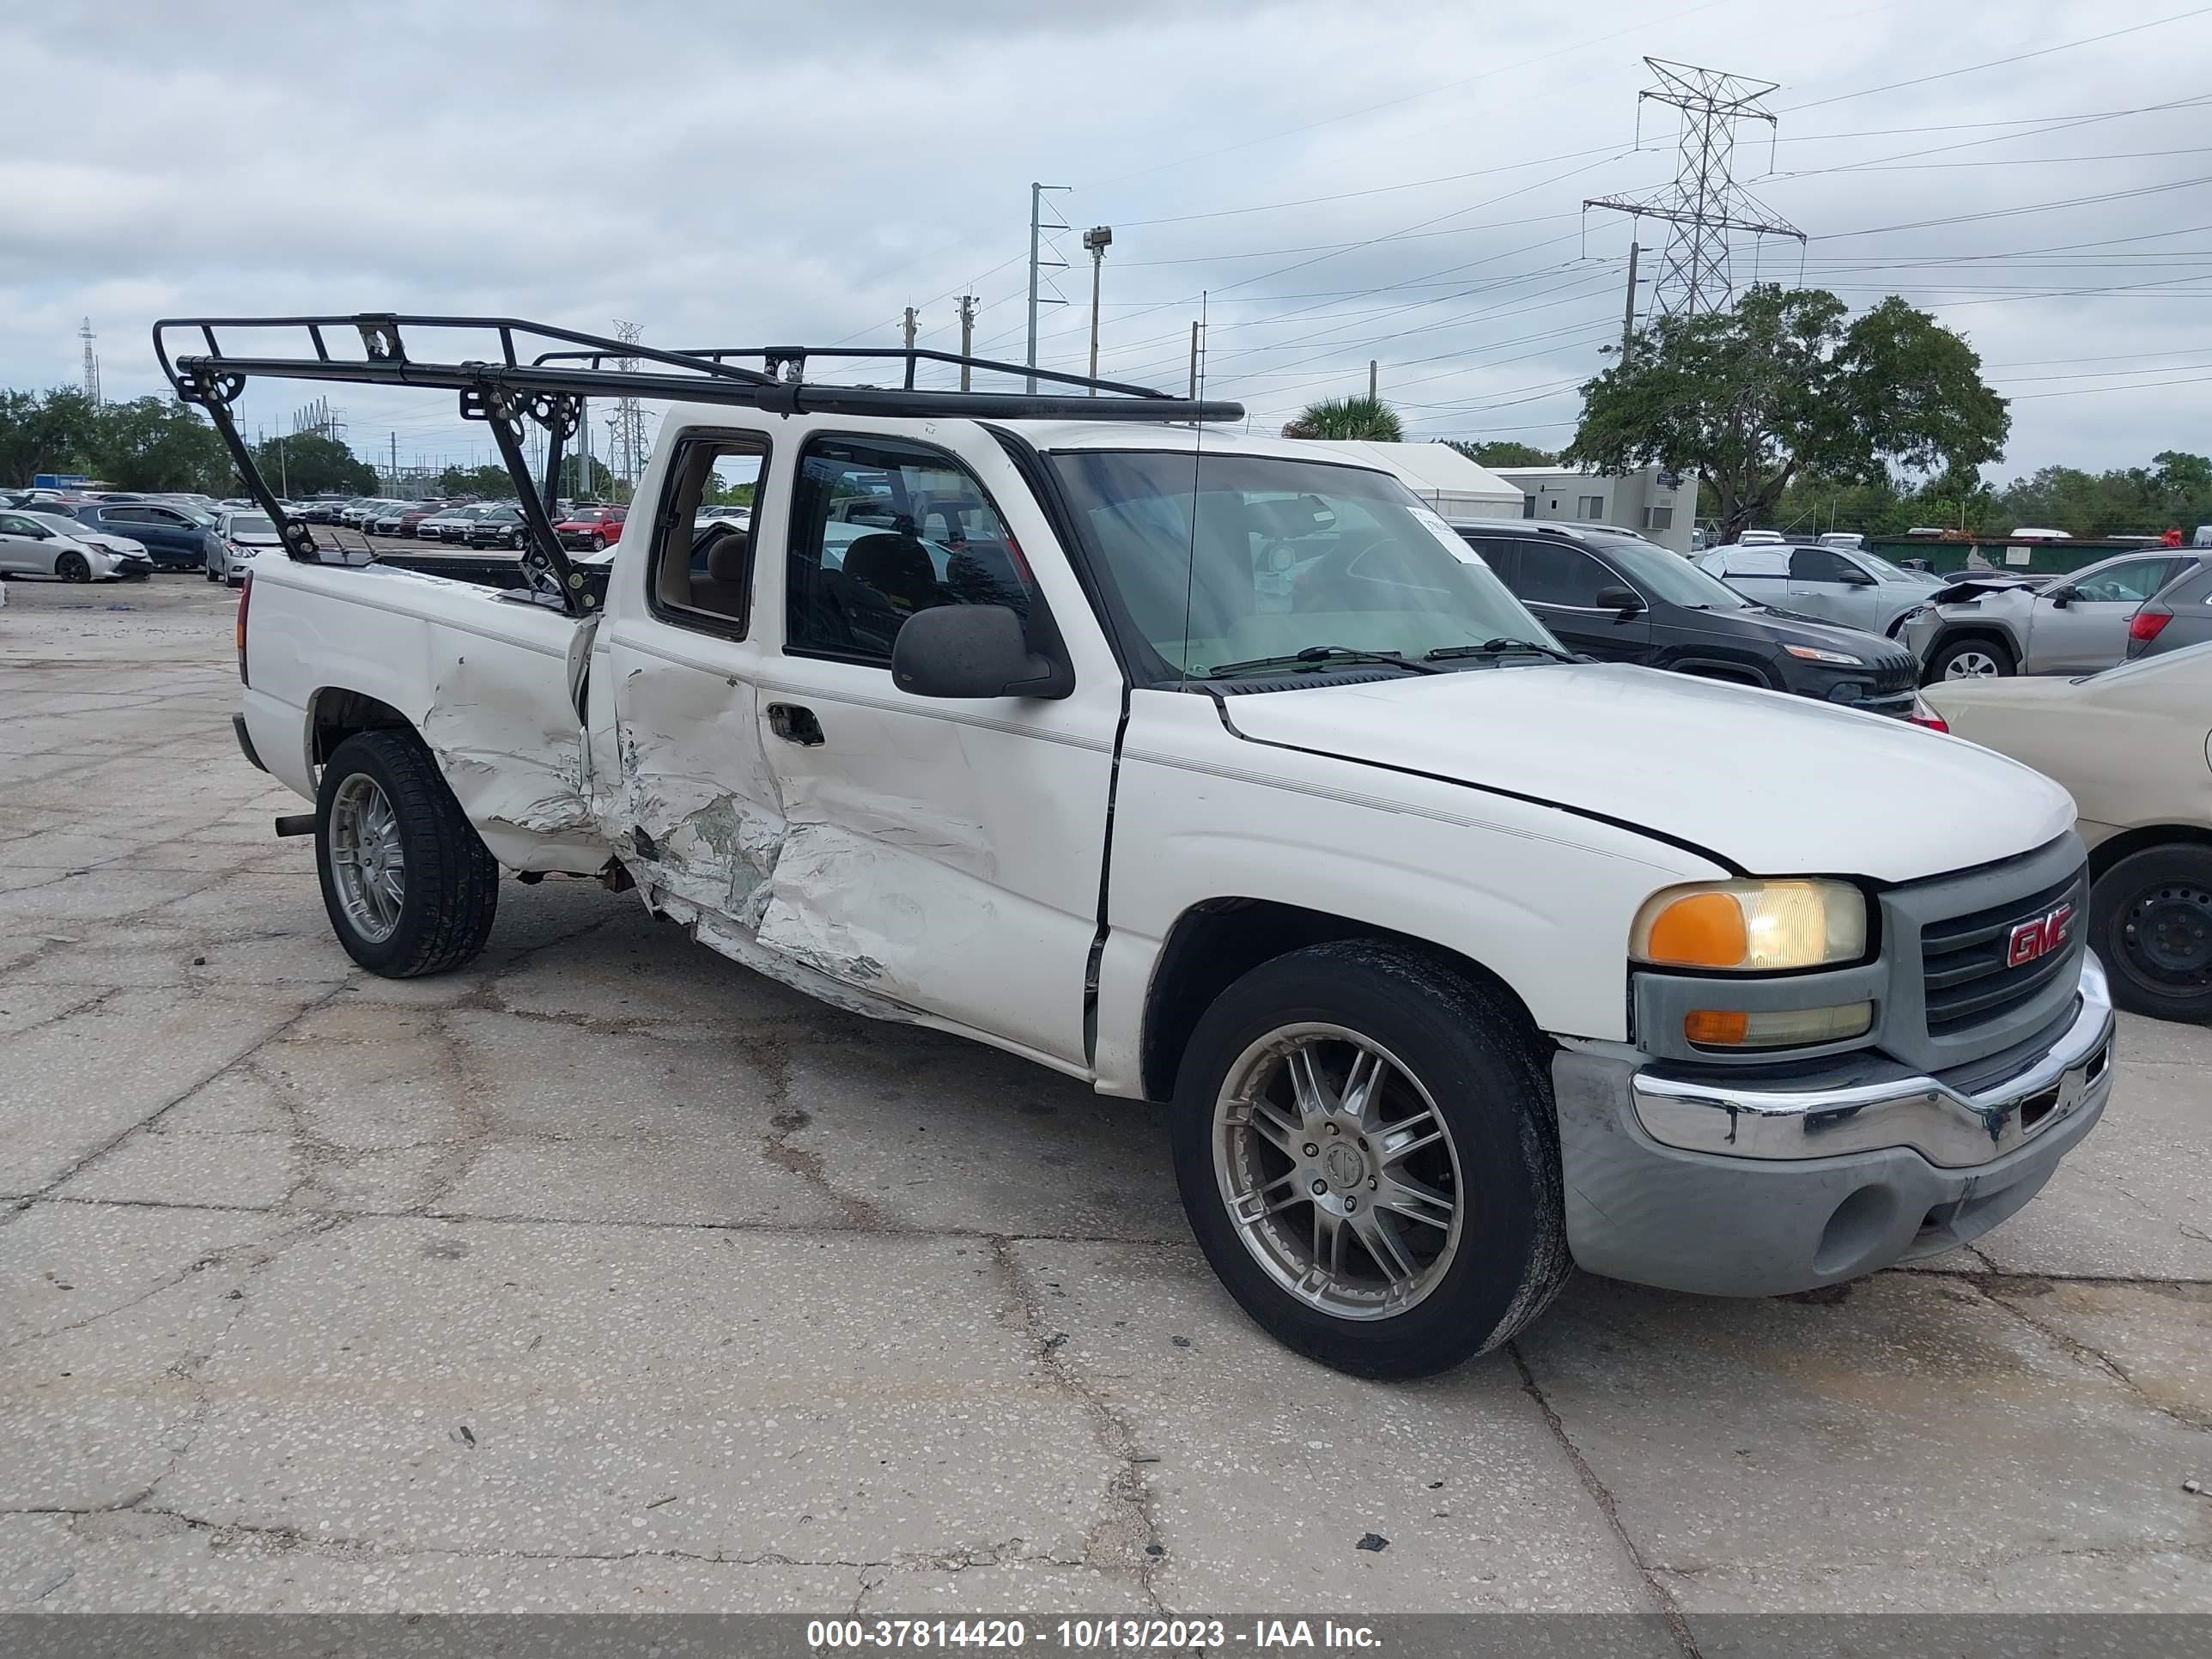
(1215, 770)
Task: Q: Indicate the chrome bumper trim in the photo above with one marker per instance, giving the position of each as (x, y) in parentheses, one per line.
(1951, 1129)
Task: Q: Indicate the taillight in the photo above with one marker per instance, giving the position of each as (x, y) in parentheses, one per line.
(2145, 625)
(245, 598)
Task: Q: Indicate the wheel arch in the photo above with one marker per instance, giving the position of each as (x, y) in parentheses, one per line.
(335, 712)
(1216, 941)
(2141, 839)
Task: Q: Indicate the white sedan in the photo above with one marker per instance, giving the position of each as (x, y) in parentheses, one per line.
(42, 544)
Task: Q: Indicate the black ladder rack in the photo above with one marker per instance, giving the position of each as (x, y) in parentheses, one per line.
(551, 387)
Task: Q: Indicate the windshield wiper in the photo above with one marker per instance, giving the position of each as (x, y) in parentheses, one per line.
(1498, 648)
(1321, 653)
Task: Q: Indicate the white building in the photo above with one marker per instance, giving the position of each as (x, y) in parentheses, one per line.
(1653, 502)
(1449, 483)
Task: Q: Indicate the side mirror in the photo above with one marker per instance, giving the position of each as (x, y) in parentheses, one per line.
(1621, 598)
(973, 651)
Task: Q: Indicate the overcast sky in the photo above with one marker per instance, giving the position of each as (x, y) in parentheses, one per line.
(1400, 181)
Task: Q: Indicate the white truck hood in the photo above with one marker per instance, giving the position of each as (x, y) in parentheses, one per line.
(1776, 784)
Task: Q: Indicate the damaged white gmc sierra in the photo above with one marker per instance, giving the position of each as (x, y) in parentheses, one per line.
(1213, 770)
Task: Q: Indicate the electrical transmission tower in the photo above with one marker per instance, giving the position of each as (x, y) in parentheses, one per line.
(91, 364)
(626, 426)
(1704, 203)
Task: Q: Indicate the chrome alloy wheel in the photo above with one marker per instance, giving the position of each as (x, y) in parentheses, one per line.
(1971, 666)
(365, 859)
(1337, 1171)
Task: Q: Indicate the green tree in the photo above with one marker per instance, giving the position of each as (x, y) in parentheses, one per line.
(1780, 384)
(158, 443)
(492, 482)
(309, 463)
(1368, 419)
(1503, 451)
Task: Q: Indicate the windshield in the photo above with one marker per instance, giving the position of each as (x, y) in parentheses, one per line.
(1669, 576)
(251, 524)
(1234, 559)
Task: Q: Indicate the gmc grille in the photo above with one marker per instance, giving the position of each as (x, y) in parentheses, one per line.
(1963, 958)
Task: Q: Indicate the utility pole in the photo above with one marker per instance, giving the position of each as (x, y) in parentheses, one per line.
(967, 335)
(1096, 241)
(1036, 230)
(1705, 202)
(1628, 312)
(909, 328)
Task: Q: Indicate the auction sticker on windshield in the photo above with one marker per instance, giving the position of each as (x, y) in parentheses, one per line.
(1456, 545)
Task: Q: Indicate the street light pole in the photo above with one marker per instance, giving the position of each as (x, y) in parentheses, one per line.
(1096, 241)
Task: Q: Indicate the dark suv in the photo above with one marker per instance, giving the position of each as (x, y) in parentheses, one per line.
(176, 537)
(1621, 598)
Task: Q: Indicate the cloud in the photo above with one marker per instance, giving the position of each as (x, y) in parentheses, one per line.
(770, 171)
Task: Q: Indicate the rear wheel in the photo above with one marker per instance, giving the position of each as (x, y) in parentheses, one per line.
(1972, 659)
(409, 885)
(72, 568)
(1365, 1148)
(2151, 920)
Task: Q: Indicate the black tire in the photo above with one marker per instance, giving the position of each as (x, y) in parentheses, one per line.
(1480, 1063)
(2150, 922)
(452, 881)
(71, 568)
(1998, 652)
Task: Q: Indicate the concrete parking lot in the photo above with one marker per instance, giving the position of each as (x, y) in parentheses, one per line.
(607, 1275)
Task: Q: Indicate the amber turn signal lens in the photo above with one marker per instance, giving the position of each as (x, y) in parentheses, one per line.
(1715, 1029)
(1705, 930)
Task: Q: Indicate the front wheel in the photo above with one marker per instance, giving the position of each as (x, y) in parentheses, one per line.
(410, 886)
(2151, 921)
(1972, 659)
(1366, 1151)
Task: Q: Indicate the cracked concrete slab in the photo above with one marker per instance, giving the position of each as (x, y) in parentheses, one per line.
(1911, 1444)
(744, 1302)
(1263, 1471)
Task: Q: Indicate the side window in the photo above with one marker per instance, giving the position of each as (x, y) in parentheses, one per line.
(701, 574)
(1553, 573)
(882, 530)
(1814, 564)
(2136, 581)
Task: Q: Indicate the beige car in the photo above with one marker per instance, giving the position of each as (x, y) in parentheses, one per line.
(2133, 746)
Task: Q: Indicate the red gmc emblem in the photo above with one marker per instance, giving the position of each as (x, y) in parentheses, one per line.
(2038, 936)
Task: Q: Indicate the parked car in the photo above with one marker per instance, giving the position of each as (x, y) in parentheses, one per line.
(595, 528)
(31, 546)
(403, 518)
(2131, 746)
(2176, 617)
(449, 524)
(176, 537)
(241, 535)
(1622, 599)
(1833, 584)
(502, 525)
(1991, 625)
(136, 561)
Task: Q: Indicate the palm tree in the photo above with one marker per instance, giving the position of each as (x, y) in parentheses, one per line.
(1368, 419)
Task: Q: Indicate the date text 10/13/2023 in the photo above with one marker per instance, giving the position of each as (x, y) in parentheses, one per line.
(1085, 1635)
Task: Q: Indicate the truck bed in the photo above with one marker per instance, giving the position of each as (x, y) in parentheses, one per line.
(489, 680)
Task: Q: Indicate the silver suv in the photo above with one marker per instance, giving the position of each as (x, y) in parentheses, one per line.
(2076, 625)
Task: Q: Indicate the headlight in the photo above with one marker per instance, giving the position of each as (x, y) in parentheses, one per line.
(1752, 925)
(1809, 654)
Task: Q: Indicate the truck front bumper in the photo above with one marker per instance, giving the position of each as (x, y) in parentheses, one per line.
(1700, 1184)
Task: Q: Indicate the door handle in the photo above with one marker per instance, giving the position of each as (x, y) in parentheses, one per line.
(796, 723)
